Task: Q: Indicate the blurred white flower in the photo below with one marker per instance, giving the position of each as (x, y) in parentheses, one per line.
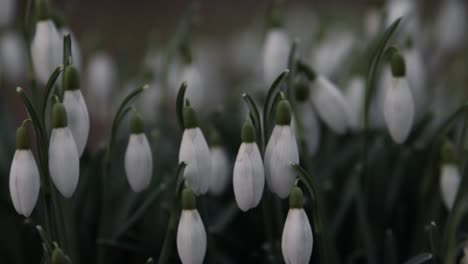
(407, 9)
(46, 50)
(275, 54)
(449, 183)
(196, 89)
(451, 24)
(281, 152)
(330, 104)
(138, 157)
(416, 74)
(354, 94)
(24, 176)
(249, 174)
(13, 56)
(220, 170)
(64, 160)
(7, 12)
(309, 124)
(297, 239)
(191, 233)
(372, 22)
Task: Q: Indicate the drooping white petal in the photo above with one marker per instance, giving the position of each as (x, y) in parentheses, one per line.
(355, 96)
(275, 54)
(297, 240)
(78, 117)
(280, 152)
(138, 162)
(64, 161)
(449, 183)
(249, 176)
(330, 105)
(220, 170)
(13, 56)
(46, 50)
(310, 126)
(195, 152)
(191, 238)
(7, 12)
(24, 182)
(399, 109)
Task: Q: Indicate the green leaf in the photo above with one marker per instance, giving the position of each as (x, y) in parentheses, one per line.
(433, 238)
(268, 106)
(292, 66)
(180, 104)
(67, 50)
(255, 117)
(420, 258)
(49, 91)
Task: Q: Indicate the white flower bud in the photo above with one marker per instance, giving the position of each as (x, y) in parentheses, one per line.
(330, 104)
(310, 126)
(46, 50)
(297, 240)
(399, 109)
(249, 176)
(13, 56)
(191, 238)
(138, 162)
(280, 153)
(78, 117)
(354, 94)
(449, 182)
(220, 171)
(24, 182)
(275, 54)
(195, 153)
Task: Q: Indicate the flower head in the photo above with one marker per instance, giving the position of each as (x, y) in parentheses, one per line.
(275, 54)
(449, 176)
(219, 167)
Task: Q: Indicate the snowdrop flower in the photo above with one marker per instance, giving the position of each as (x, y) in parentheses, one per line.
(354, 95)
(138, 157)
(330, 103)
(249, 175)
(13, 56)
(191, 234)
(297, 240)
(75, 106)
(64, 160)
(7, 12)
(280, 152)
(275, 54)
(195, 153)
(219, 166)
(398, 105)
(24, 176)
(46, 48)
(451, 24)
(449, 176)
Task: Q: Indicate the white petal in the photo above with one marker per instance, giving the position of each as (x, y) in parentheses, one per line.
(399, 109)
(249, 176)
(24, 182)
(219, 170)
(280, 152)
(449, 183)
(191, 238)
(64, 161)
(355, 97)
(310, 126)
(13, 56)
(330, 104)
(275, 54)
(138, 162)
(195, 152)
(297, 240)
(78, 117)
(45, 50)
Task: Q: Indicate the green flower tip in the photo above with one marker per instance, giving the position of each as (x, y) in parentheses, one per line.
(22, 140)
(58, 257)
(71, 78)
(42, 10)
(448, 152)
(398, 65)
(283, 113)
(302, 91)
(59, 116)
(248, 133)
(136, 123)
(190, 117)
(189, 201)
(275, 19)
(296, 198)
(215, 138)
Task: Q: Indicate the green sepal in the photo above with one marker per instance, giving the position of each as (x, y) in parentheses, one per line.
(189, 201)
(248, 133)
(71, 78)
(42, 10)
(190, 118)
(398, 65)
(448, 152)
(22, 140)
(296, 198)
(283, 113)
(59, 116)
(136, 123)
